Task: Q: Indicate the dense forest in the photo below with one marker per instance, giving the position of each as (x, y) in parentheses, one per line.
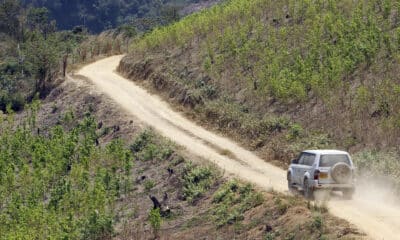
(99, 15)
(31, 53)
(36, 51)
(28, 58)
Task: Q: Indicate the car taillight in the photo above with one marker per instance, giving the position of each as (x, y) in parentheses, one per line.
(316, 174)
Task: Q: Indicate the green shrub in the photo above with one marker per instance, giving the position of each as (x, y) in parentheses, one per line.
(128, 31)
(155, 152)
(295, 131)
(146, 148)
(270, 236)
(149, 184)
(196, 181)
(155, 220)
(142, 140)
(98, 226)
(232, 200)
(149, 152)
(317, 222)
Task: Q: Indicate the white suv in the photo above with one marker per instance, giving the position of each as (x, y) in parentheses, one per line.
(322, 169)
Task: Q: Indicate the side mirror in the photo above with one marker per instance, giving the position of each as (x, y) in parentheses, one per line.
(295, 161)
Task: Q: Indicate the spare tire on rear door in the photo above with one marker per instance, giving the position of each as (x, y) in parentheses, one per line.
(341, 173)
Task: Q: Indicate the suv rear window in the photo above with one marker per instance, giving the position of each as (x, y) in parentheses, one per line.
(331, 159)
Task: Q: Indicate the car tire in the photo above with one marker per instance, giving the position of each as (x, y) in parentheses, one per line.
(308, 191)
(348, 194)
(290, 184)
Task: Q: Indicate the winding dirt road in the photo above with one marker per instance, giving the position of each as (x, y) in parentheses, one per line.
(369, 211)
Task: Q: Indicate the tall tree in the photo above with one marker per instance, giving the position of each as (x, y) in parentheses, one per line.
(38, 20)
(44, 55)
(9, 11)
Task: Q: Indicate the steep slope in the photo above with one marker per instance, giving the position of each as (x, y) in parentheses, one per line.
(68, 176)
(371, 210)
(281, 76)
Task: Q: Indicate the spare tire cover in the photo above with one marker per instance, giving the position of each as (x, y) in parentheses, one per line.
(341, 173)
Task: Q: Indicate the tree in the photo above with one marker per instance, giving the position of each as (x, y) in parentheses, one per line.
(44, 55)
(170, 14)
(9, 11)
(38, 20)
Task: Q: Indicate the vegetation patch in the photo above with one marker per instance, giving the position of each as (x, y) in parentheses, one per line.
(60, 185)
(197, 180)
(146, 148)
(313, 59)
(232, 200)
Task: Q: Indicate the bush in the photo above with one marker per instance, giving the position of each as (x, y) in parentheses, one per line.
(149, 152)
(15, 101)
(295, 131)
(98, 226)
(147, 149)
(232, 200)
(317, 222)
(155, 220)
(196, 181)
(142, 140)
(148, 185)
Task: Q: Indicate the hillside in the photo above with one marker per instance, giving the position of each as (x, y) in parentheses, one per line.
(76, 165)
(83, 169)
(98, 16)
(282, 76)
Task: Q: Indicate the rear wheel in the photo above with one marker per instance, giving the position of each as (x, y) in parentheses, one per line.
(348, 193)
(290, 183)
(308, 191)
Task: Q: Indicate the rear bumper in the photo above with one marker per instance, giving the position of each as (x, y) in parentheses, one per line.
(333, 186)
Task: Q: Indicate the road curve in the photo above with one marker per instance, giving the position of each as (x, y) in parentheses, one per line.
(380, 220)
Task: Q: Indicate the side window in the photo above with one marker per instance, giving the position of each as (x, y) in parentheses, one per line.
(309, 160)
(301, 158)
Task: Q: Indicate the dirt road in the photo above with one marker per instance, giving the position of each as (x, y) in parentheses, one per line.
(370, 211)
